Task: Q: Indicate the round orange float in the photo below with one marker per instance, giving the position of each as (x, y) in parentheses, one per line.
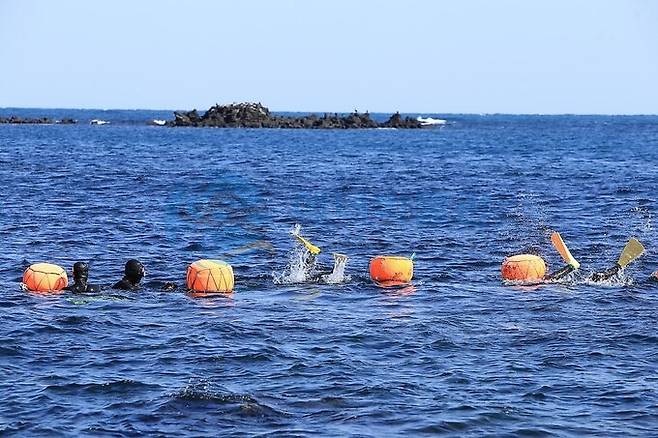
(391, 270)
(210, 276)
(45, 277)
(523, 267)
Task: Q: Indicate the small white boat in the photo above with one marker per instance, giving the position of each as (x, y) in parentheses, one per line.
(99, 122)
(428, 121)
(159, 122)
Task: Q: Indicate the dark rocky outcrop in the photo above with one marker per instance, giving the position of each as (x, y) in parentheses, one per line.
(14, 120)
(396, 121)
(255, 115)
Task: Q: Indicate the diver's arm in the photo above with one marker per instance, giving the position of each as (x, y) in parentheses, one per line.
(78, 288)
(563, 272)
(162, 285)
(607, 274)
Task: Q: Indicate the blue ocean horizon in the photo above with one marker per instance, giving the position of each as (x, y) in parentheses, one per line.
(145, 115)
(458, 352)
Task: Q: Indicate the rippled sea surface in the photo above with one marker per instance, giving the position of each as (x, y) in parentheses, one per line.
(458, 352)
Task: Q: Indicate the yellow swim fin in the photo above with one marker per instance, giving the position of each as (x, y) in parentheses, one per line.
(632, 250)
(311, 248)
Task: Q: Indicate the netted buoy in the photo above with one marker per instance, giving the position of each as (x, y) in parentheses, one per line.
(210, 276)
(523, 267)
(45, 277)
(391, 270)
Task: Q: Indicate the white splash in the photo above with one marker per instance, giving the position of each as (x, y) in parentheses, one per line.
(338, 273)
(300, 267)
(296, 230)
(620, 279)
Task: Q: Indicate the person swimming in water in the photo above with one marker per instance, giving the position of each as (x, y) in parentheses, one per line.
(133, 274)
(80, 277)
(632, 251)
(312, 269)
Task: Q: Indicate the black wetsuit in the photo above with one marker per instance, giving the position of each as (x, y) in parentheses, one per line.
(80, 287)
(563, 272)
(607, 274)
(125, 284)
(133, 274)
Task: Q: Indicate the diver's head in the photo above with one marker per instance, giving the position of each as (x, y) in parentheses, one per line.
(134, 271)
(80, 272)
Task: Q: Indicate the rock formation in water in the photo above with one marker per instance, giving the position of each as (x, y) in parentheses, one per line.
(35, 121)
(396, 121)
(255, 115)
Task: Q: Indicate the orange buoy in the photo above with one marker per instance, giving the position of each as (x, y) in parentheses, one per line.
(391, 270)
(210, 276)
(45, 277)
(523, 267)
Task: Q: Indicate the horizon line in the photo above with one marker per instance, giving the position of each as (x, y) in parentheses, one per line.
(343, 112)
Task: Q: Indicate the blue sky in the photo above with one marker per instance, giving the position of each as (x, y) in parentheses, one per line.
(471, 56)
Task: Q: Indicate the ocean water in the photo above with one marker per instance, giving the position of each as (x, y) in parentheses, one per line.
(458, 352)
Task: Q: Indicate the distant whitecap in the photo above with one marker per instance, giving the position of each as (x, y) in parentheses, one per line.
(429, 121)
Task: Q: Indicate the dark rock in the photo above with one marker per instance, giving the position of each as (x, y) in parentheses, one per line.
(255, 115)
(189, 118)
(396, 121)
(25, 121)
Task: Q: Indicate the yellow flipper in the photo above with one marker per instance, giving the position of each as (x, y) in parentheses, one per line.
(632, 250)
(559, 244)
(311, 248)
